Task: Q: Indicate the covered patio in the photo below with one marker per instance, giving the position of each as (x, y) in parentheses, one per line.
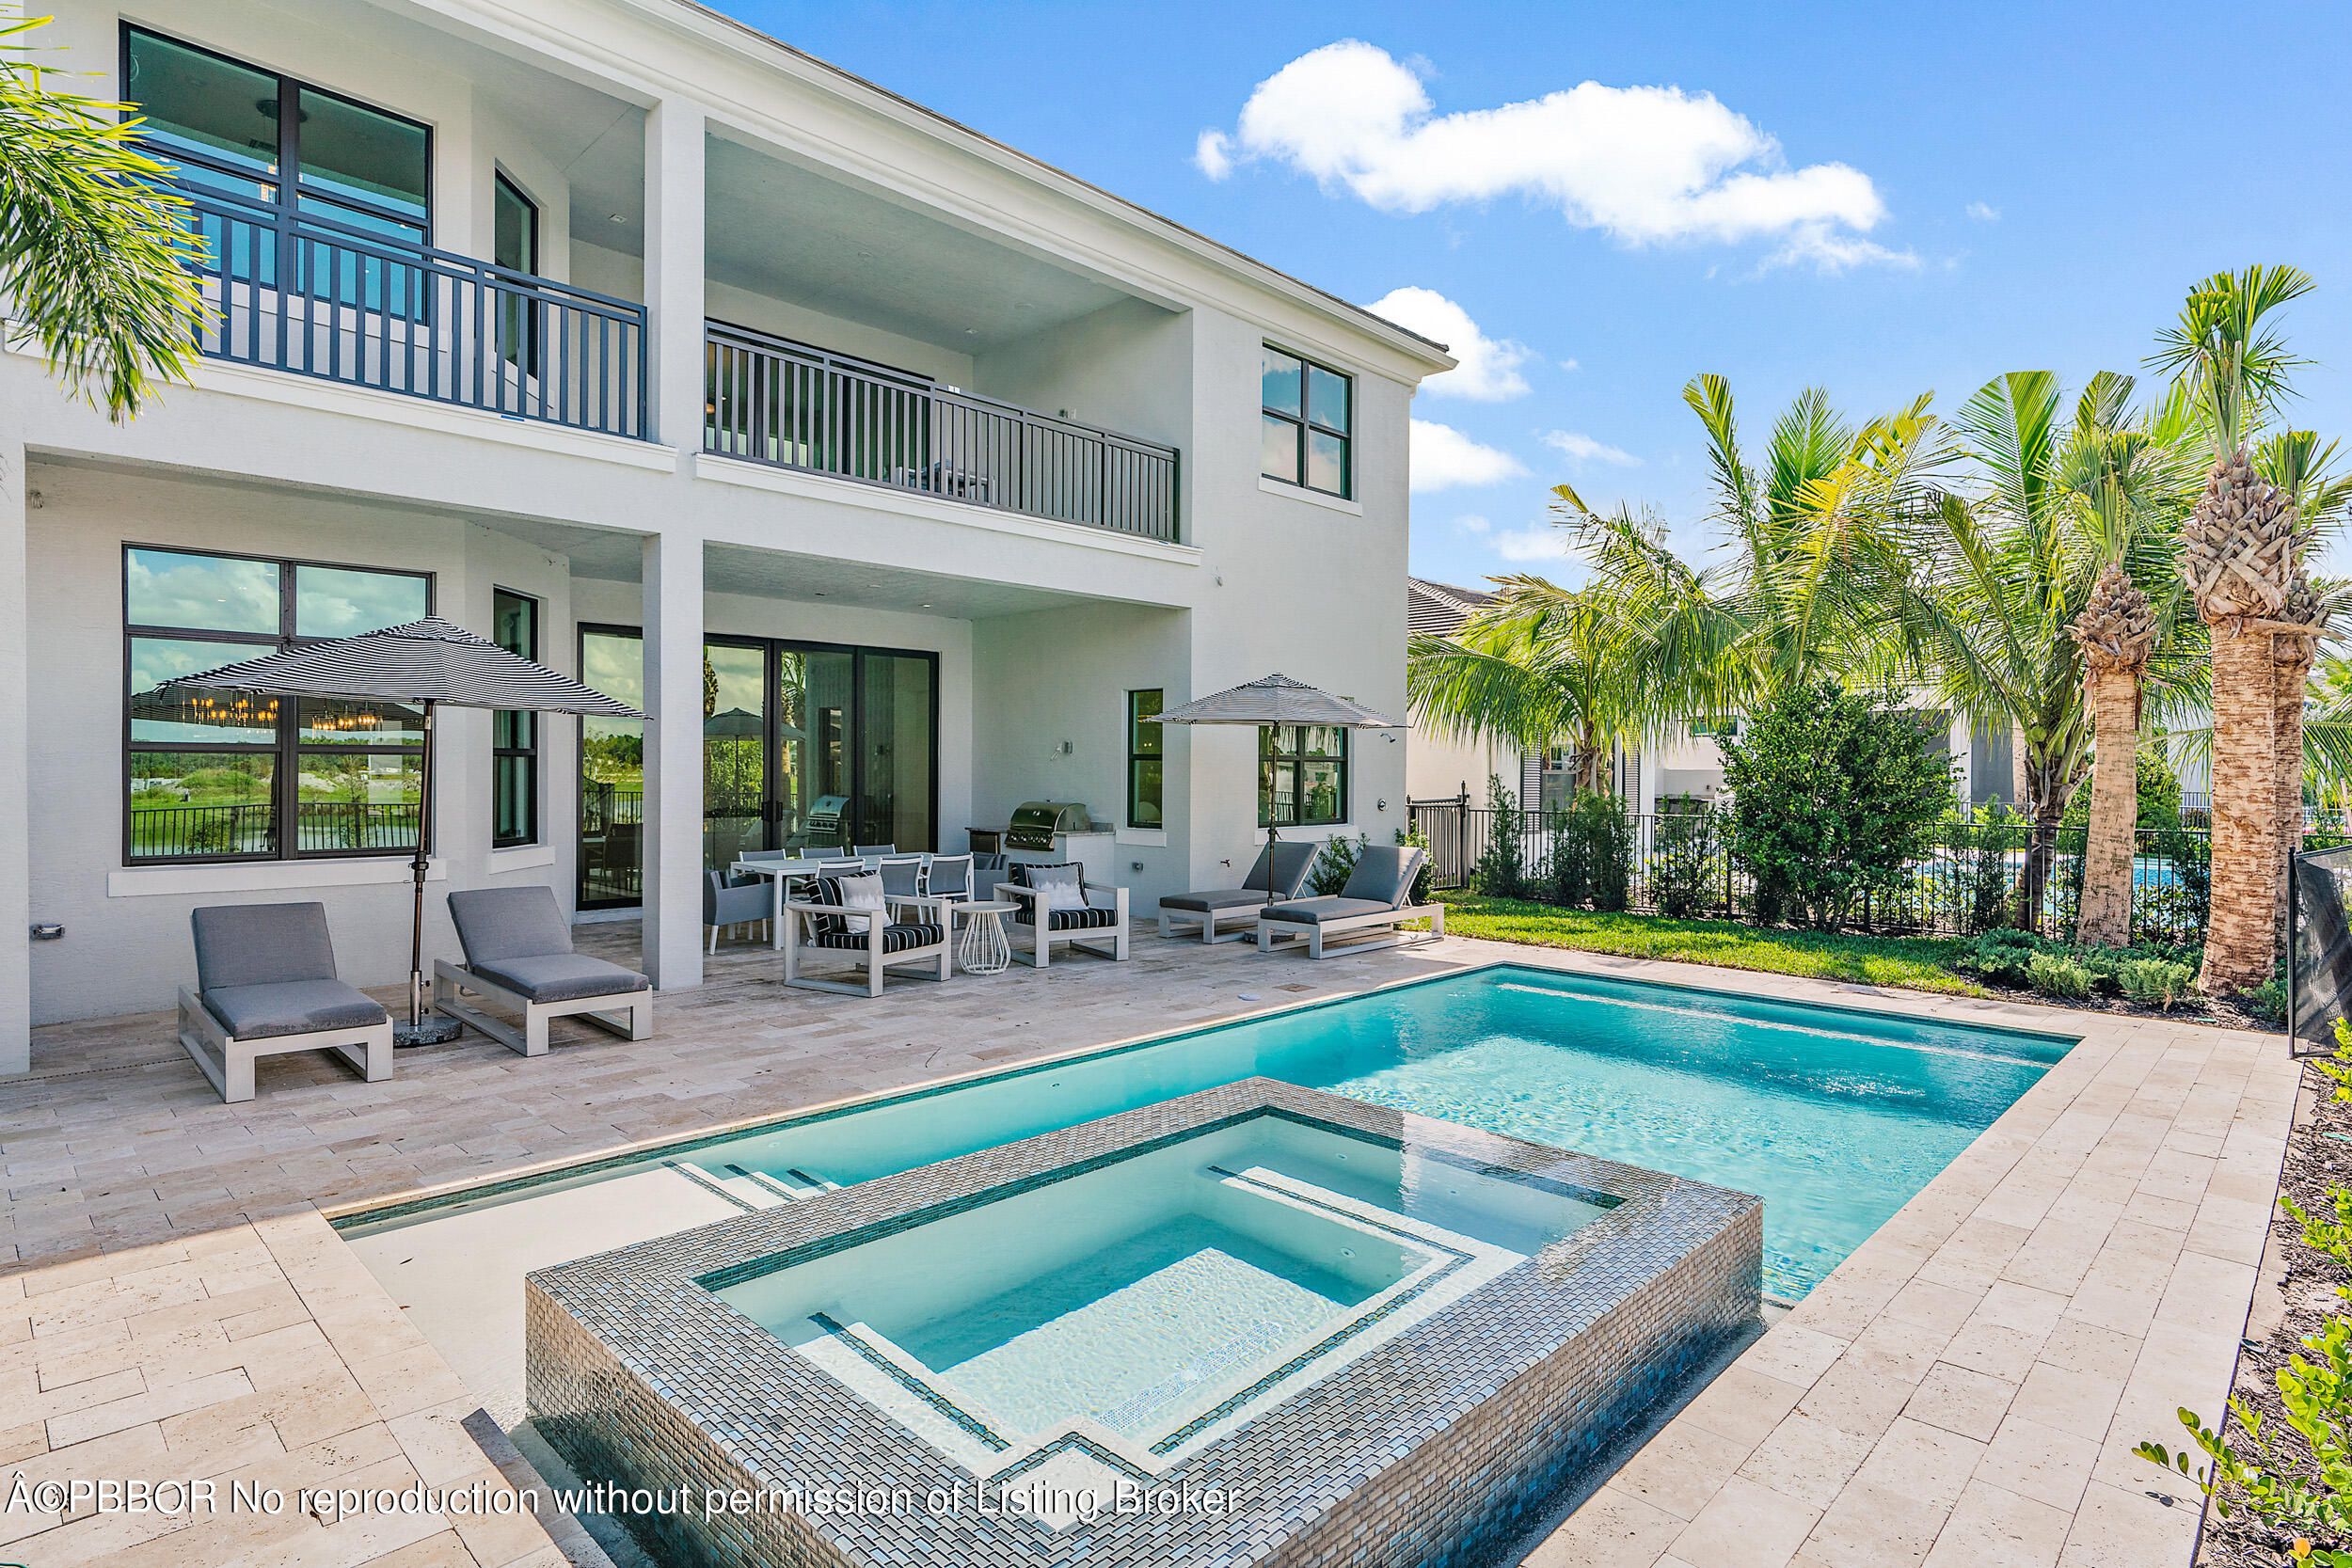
(1966, 1388)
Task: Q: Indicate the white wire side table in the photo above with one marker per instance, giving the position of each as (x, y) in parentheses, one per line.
(985, 948)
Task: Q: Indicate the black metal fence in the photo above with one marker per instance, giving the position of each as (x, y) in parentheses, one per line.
(2319, 946)
(174, 832)
(1966, 881)
(791, 406)
(299, 293)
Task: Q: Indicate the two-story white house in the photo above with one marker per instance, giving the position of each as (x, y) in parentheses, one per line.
(898, 476)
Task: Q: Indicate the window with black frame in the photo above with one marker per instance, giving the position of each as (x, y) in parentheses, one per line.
(212, 774)
(238, 131)
(1302, 775)
(1305, 422)
(514, 734)
(1146, 760)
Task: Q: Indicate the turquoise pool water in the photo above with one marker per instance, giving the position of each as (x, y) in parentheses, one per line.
(1835, 1117)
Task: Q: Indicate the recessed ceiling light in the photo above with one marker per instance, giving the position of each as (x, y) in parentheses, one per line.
(616, 217)
(971, 331)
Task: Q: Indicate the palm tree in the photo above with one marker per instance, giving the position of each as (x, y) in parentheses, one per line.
(1815, 533)
(2296, 462)
(1542, 666)
(2241, 557)
(94, 248)
(2130, 485)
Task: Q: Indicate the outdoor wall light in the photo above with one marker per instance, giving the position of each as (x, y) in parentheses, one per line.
(48, 933)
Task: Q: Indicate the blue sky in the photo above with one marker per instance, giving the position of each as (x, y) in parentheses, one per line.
(1882, 200)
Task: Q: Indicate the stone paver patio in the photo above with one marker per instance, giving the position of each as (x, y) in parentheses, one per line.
(1965, 1390)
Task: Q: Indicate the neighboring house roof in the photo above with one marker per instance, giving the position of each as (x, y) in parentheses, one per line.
(1435, 609)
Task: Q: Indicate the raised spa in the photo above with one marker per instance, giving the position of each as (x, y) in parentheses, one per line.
(1359, 1332)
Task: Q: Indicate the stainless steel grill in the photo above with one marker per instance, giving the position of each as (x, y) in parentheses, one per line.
(1036, 822)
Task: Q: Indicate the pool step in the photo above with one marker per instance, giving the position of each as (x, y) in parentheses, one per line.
(751, 1189)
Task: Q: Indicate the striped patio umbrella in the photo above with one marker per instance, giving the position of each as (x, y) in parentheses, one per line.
(428, 662)
(1278, 700)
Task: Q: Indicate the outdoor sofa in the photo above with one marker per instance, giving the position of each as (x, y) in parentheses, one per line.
(265, 984)
(1365, 914)
(518, 953)
(1282, 868)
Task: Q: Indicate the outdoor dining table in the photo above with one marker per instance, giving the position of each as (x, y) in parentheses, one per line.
(780, 874)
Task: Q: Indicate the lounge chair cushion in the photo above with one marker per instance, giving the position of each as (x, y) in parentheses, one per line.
(291, 1008)
(847, 893)
(262, 945)
(1219, 898)
(1384, 874)
(1315, 911)
(561, 976)
(1087, 919)
(1059, 886)
(896, 939)
(496, 923)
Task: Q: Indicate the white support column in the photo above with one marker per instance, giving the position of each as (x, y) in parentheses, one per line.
(16, 872)
(675, 198)
(672, 833)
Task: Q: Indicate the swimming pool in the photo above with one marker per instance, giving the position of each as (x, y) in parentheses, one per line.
(1835, 1115)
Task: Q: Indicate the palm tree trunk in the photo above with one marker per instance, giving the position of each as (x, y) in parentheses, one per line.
(2242, 938)
(2106, 910)
(2291, 660)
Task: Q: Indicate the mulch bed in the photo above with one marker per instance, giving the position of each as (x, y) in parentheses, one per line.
(2319, 1157)
(2189, 1009)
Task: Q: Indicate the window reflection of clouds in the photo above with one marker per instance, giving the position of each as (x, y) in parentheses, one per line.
(202, 592)
(334, 602)
(615, 666)
(155, 662)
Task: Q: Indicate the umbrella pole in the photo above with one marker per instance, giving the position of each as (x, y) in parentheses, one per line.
(422, 1029)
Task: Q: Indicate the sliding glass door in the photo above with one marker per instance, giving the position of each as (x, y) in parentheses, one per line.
(806, 745)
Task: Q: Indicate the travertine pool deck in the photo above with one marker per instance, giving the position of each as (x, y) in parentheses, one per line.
(1965, 1390)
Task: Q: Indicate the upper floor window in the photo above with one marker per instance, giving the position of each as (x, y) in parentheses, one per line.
(1304, 425)
(226, 775)
(267, 137)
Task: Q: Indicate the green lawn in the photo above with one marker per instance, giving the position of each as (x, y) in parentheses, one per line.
(1914, 962)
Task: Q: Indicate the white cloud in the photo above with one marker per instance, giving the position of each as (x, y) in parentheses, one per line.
(1569, 365)
(1488, 370)
(1444, 457)
(1471, 523)
(1645, 164)
(1583, 449)
(1984, 214)
(1537, 542)
(1210, 153)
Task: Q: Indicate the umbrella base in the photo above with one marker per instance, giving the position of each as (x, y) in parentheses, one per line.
(429, 1030)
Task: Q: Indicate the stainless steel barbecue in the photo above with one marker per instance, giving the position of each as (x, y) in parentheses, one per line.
(1036, 822)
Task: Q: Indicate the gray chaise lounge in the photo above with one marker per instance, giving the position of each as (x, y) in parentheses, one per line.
(519, 953)
(1283, 867)
(1365, 914)
(264, 985)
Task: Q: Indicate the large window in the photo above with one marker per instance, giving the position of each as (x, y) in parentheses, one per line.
(212, 774)
(514, 736)
(1302, 775)
(1304, 423)
(253, 134)
(1146, 760)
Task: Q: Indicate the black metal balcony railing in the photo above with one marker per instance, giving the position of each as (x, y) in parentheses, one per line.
(300, 293)
(791, 406)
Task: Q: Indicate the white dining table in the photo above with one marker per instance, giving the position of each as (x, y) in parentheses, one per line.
(782, 873)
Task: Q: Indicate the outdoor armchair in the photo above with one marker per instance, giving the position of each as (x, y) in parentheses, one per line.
(854, 917)
(732, 900)
(1074, 912)
(265, 984)
(519, 953)
(1282, 868)
(1366, 912)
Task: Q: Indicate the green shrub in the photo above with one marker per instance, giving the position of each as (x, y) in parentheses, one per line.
(2053, 975)
(1567, 881)
(1607, 835)
(2154, 982)
(1833, 794)
(1502, 870)
(1684, 869)
(1335, 864)
(1413, 838)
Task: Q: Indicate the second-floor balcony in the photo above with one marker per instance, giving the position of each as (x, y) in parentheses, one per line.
(790, 405)
(301, 293)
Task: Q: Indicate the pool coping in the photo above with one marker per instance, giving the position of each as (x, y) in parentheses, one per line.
(1317, 1452)
(378, 1210)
